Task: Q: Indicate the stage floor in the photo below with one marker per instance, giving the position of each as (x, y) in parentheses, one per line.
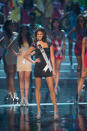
(72, 117)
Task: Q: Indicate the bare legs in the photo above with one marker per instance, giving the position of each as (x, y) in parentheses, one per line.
(37, 92)
(81, 81)
(70, 51)
(21, 80)
(52, 93)
(57, 63)
(27, 84)
(79, 67)
(24, 78)
(10, 77)
(80, 85)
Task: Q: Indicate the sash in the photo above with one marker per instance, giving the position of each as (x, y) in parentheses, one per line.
(2, 39)
(59, 49)
(14, 37)
(48, 63)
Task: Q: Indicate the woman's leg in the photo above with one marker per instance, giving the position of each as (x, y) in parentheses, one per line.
(79, 67)
(52, 93)
(21, 81)
(6, 71)
(37, 92)
(10, 75)
(70, 51)
(27, 83)
(57, 64)
(80, 85)
(81, 81)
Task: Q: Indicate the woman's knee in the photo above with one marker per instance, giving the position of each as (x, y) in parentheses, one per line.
(21, 78)
(38, 88)
(51, 89)
(57, 69)
(11, 72)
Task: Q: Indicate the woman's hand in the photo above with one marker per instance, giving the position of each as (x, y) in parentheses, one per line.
(19, 53)
(37, 61)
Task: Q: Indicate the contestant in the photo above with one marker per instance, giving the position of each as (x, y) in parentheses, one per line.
(84, 68)
(24, 67)
(80, 30)
(9, 42)
(58, 41)
(43, 68)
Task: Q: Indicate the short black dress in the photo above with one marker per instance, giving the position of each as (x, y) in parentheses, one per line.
(38, 70)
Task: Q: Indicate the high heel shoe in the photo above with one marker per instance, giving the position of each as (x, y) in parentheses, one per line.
(15, 97)
(38, 115)
(22, 102)
(26, 103)
(78, 99)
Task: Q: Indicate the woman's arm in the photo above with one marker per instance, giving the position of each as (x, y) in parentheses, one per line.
(52, 58)
(28, 53)
(15, 53)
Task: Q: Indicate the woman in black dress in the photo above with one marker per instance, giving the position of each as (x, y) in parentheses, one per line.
(44, 66)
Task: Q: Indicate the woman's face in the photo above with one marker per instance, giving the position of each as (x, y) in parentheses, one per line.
(39, 35)
(56, 24)
(81, 21)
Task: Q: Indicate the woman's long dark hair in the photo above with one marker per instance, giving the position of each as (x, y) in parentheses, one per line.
(28, 35)
(78, 24)
(6, 28)
(44, 39)
(53, 21)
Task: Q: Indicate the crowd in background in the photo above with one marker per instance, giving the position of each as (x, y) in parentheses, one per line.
(46, 10)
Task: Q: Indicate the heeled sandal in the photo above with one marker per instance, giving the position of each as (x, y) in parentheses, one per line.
(38, 115)
(78, 99)
(22, 102)
(26, 103)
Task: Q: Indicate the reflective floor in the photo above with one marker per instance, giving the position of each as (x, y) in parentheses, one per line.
(71, 117)
(16, 118)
